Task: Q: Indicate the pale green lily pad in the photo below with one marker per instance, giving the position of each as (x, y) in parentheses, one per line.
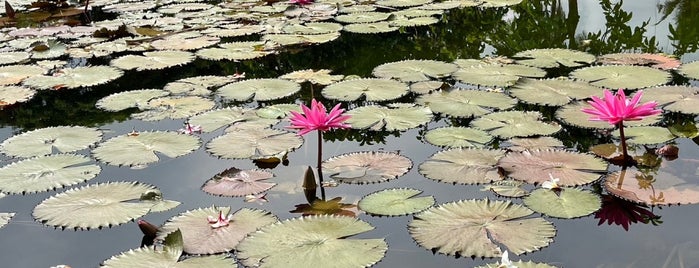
(141, 148)
(458, 137)
(75, 77)
(366, 167)
(572, 114)
(373, 89)
(444, 5)
(173, 108)
(215, 119)
(153, 60)
(653, 188)
(428, 11)
(258, 89)
(10, 95)
(10, 57)
(506, 188)
(200, 238)
(466, 102)
(554, 58)
(510, 124)
(300, 39)
(553, 92)
(44, 141)
(277, 111)
(45, 173)
(530, 144)
(395, 202)
(321, 239)
(690, 70)
(261, 143)
(320, 77)
(495, 3)
(370, 28)
(96, 205)
(5, 218)
(402, 3)
(235, 51)
(463, 166)
(362, 17)
(646, 135)
(622, 76)
(14, 74)
(538, 166)
(402, 21)
(129, 99)
(313, 28)
(185, 41)
(679, 99)
(565, 203)
(471, 228)
(500, 75)
(415, 70)
(378, 118)
(53, 49)
(424, 87)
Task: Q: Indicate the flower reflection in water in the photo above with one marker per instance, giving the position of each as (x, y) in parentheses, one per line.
(621, 212)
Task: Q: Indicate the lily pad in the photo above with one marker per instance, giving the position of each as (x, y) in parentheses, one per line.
(402, 3)
(565, 203)
(552, 92)
(320, 77)
(258, 89)
(362, 17)
(646, 135)
(140, 149)
(300, 39)
(572, 114)
(622, 76)
(129, 99)
(5, 218)
(519, 264)
(277, 111)
(425, 87)
(215, 119)
(74, 77)
(499, 75)
(506, 188)
(326, 207)
(153, 60)
(530, 144)
(313, 28)
(466, 103)
(509, 124)
(321, 239)
(659, 61)
(463, 166)
(657, 188)
(10, 57)
(235, 51)
(236, 182)
(45, 173)
(10, 95)
(680, 99)
(45, 141)
(378, 118)
(173, 107)
(186, 41)
(96, 205)
(415, 70)
(262, 143)
(366, 167)
(554, 58)
(471, 228)
(395, 202)
(458, 137)
(537, 166)
(690, 70)
(373, 89)
(14, 74)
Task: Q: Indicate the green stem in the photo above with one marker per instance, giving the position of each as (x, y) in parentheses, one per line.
(623, 141)
(320, 160)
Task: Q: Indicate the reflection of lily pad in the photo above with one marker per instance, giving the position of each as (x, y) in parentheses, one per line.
(471, 228)
(414, 70)
(375, 117)
(568, 203)
(261, 143)
(395, 202)
(45, 173)
(236, 182)
(622, 76)
(661, 188)
(537, 166)
(322, 240)
(373, 89)
(509, 124)
(44, 141)
(554, 57)
(130, 150)
(366, 167)
(258, 89)
(466, 103)
(457, 137)
(553, 92)
(464, 166)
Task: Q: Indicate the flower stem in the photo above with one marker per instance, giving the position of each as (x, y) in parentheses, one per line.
(320, 160)
(623, 141)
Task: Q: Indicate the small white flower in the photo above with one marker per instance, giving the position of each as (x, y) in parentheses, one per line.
(552, 183)
(259, 198)
(505, 261)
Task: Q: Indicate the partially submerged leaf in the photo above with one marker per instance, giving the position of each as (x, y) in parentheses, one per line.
(659, 61)
(564, 203)
(236, 182)
(537, 166)
(44, 141)
(463, 166)
(395, 202)
(326, 207)
(130, 150)
(366, 167)
(45, 173)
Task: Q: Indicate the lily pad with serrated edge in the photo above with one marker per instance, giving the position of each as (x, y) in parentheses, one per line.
(679, 99)
(236, 182)
(402, 3)
(13, 94)
(215, 119)
(312, 28)
(500, 75)
(690, 69)
(261, 143)
(366, 167)
(374, 117)
(5, 218)
(496, 3)
(86, 76)
(11, 57)
(466, 102)
(529, 144)
(538, 166)
(168, 256)
(373, 89)
(185, 42)
(415, 70)
(14, 74)
(622, 76)
(45, 173)
(131, 150)
(458, 137)
(96, 205)
(173, 107)
(471, 228)
(519, 264)
(564, 203)
(402, 21)
(553, 92)
(234, 51)
(320, 77)
(418, 12)
(463, 166)
(554, 58)
(424, 87)
(656, 188)
(659, 61)
(44, 141)
(321, 239)
(362, 17)
(370, 28)
(646, 135)
(129, 99)
(572, 114)
(200, 238)
(53, 49)
(153, 60)
(509, 124)
(258, 89)
(444, 5)
(506, 188)
(277, 111)
(395, 202)
(300, 39)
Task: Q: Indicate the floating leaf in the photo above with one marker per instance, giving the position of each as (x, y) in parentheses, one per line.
(213, 120)
(506, 188)
(457, 137)
(622, 76)
(173, 107)
(320, 77)
(530, 144)
(470, 228)
(395, 202)
(572, 114)
(553, 92)
(554, 58)
(680, 99)
(10, 57)
(657, 188)
(511, 124)
(370, 28)
(402, 3)
(86, 76)
(536, 166)
(258, 89)
(44, 141)
(261, 143)
(377, 118)
(13, 74)
(236, 182)
(129, 99)
(131, 150)
(366, 167)
(13, 94)
(659, 61)
(500, 75)
(200, 238)
(95, 205)
(186, 41)
(463, 166)
(320, 239)
(362, 17)
(153, 60)
(373, 89)
(313, 28)
(277, 111)
(5, 218)
(645, 135)
(466, 103)
(690, 70)
(415, 70)
(44, 173)
(234, 51)
(425, 87)
(300, 39)
(565, 203)
(326, 207)
(403, 21)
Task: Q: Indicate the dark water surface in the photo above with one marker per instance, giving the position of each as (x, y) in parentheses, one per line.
(468, 33)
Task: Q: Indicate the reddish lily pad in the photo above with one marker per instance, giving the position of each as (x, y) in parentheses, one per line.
(657, 188)
(236, 182)
(367, 167)
(537, 166)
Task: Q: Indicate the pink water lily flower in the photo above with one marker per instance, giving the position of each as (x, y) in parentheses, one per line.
(190, 129)
(301, 2)
(221, 221)
(317, 118)
(616, 108)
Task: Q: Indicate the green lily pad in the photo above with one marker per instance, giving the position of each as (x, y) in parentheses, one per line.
(395, 202)
(10, 57)
(378, 118)
(622, 76)
(690, 69)
(403, 21)
(458, 137)
(86, 76)
(373, 89)
(45, 173)
(370, 28)
(153, 60)
(466, 103)
(471, 228)
(320, 77)
(653, 188)
(538, 166)
(277, 111)
(140, 149)
(463, 166)
(14, 74)
(10, 95)
(552, 92)
(659, 60)
(495, 3)
(499, 75)
(572, 114)
(258, 90)
(679, 99)
(235, 51)
(173, 108)
(215, 119)
(321, 239)
(362, 17)
(129, 99)
(509, 124)
(45, 141)
(313, 28)
(261, 143)
(554, 58)
(300, 39)
(645, 135)
(402, 3)
(506, 188)
(565, 203)
(530, 144)
(366, 167)
(424, 87)
(415, 70)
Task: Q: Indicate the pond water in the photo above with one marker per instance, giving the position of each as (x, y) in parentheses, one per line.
(465, 33)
